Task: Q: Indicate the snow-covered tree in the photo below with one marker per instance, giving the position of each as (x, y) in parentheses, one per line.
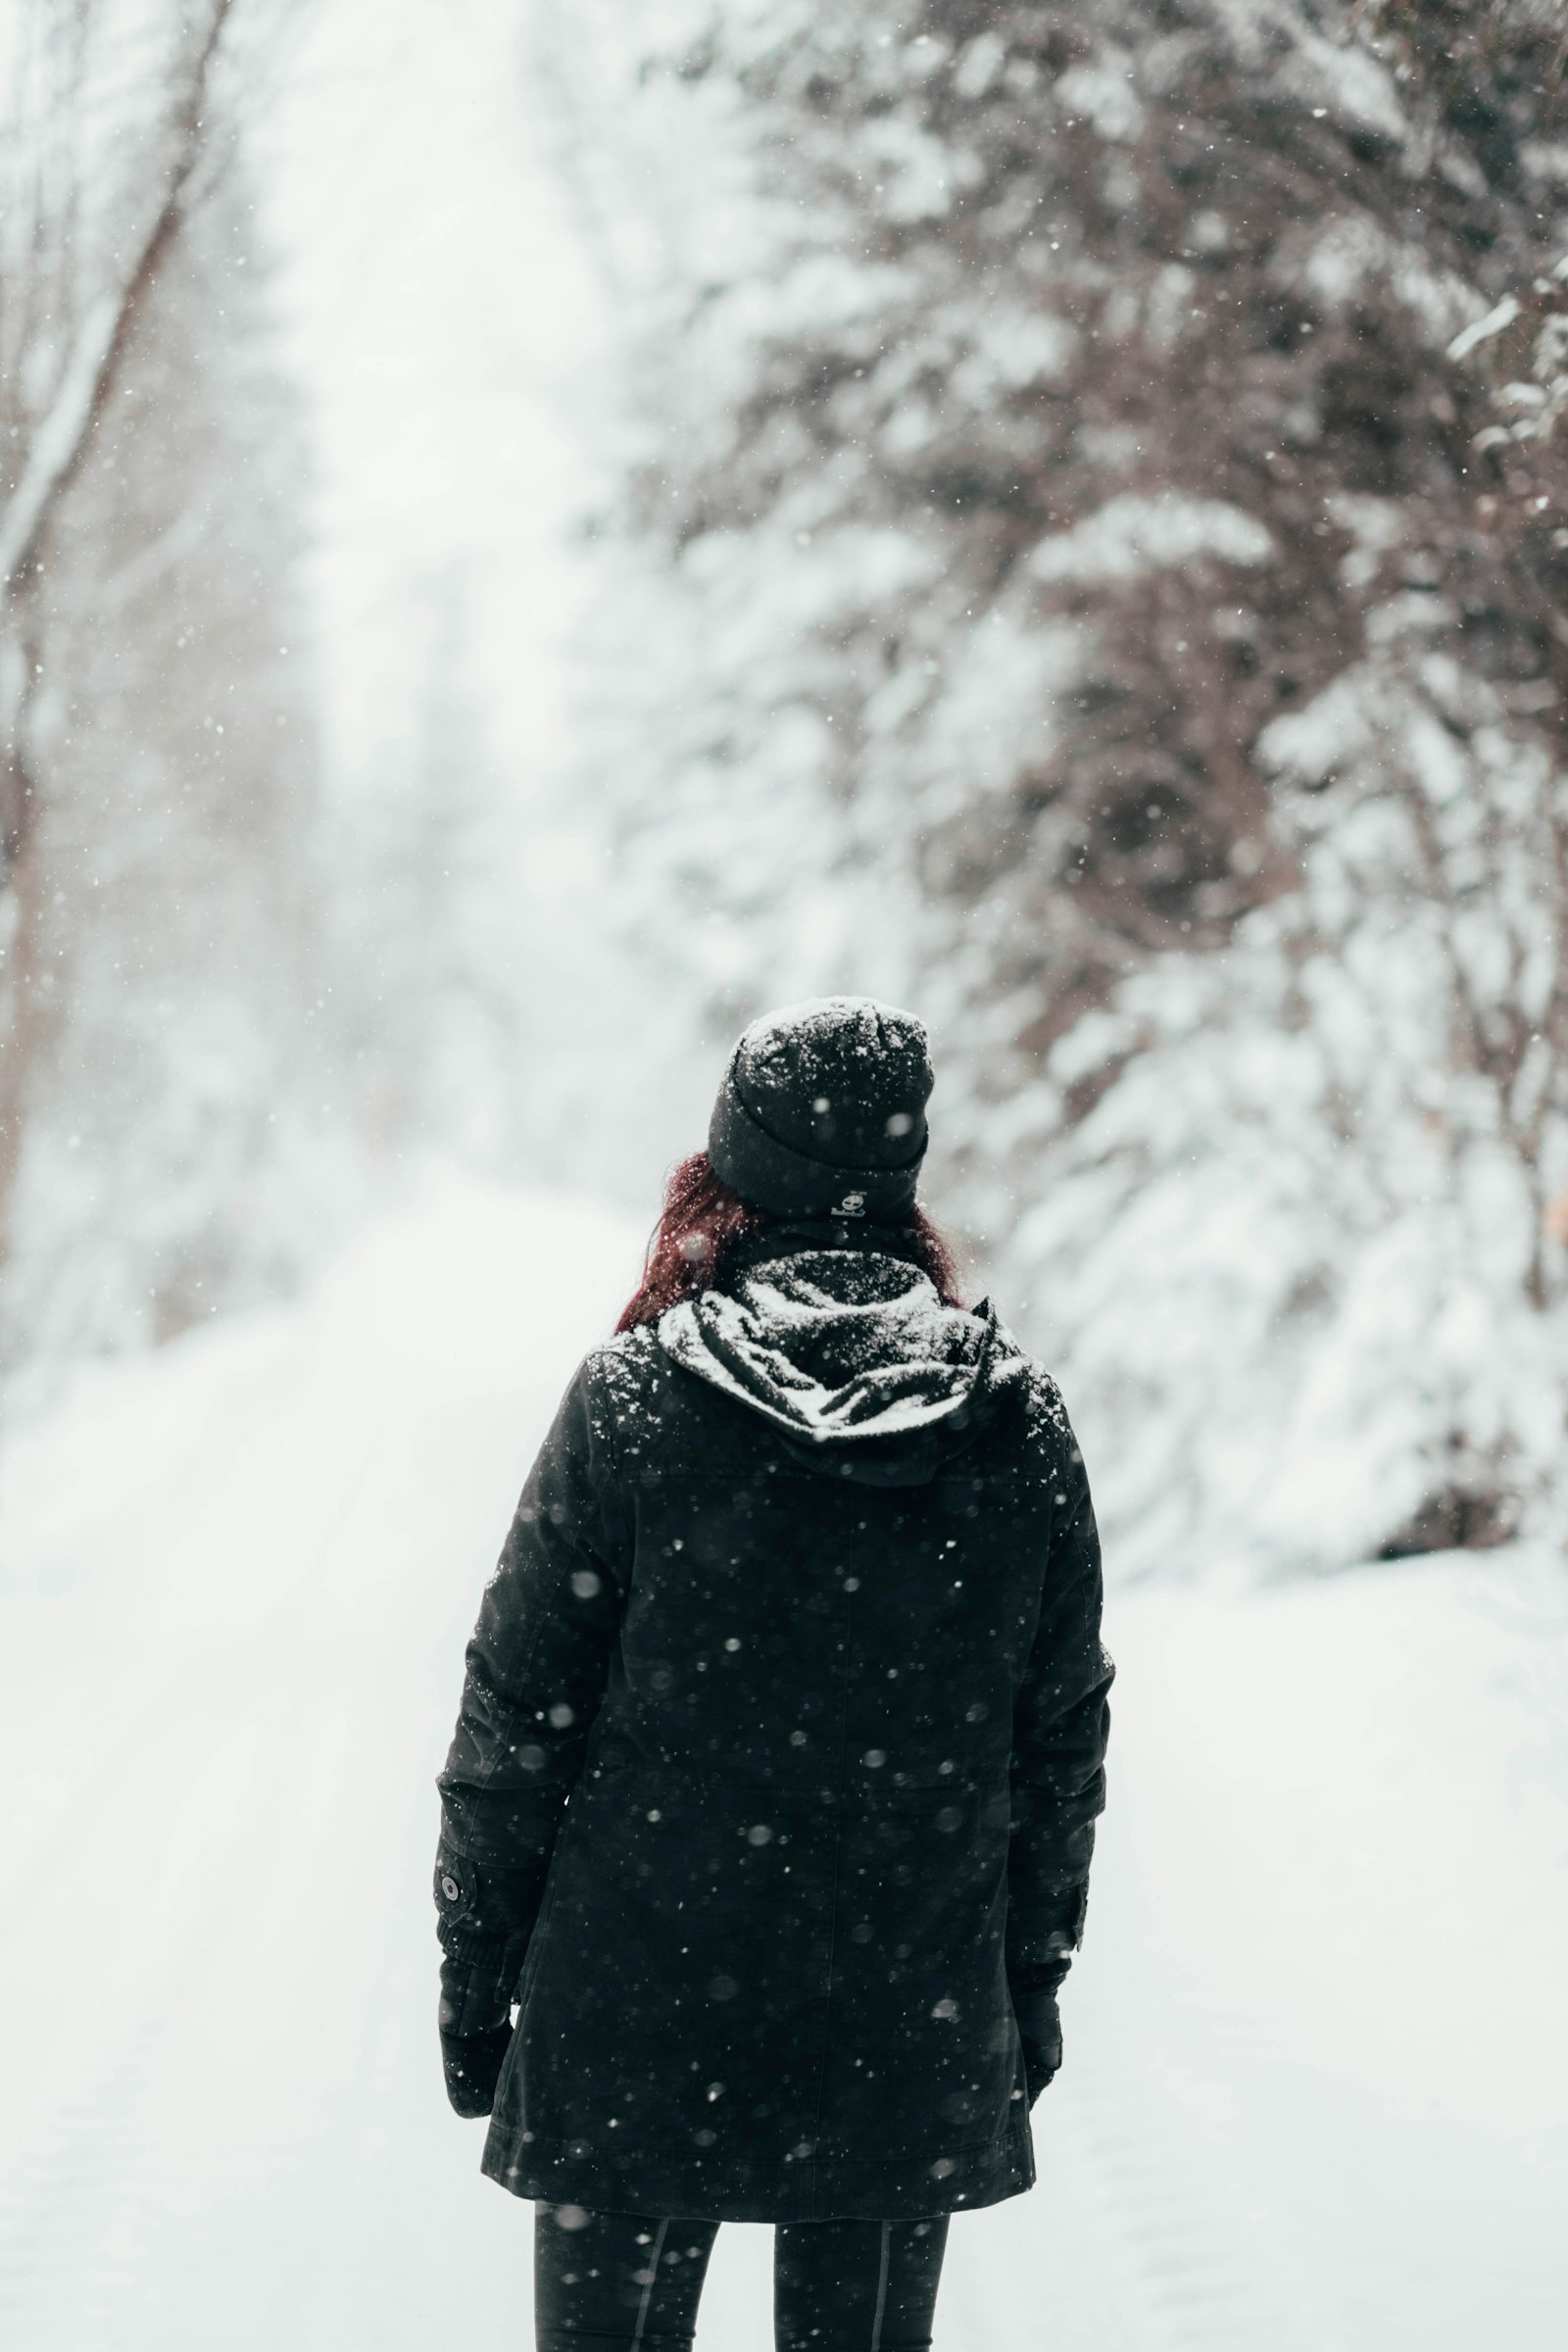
(160, 939)
(1097, 565)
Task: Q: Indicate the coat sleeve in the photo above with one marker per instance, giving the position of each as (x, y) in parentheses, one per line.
(1062, 1721)
(537, 1667)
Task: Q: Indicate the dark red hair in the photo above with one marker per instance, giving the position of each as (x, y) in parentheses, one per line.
(701, 1223)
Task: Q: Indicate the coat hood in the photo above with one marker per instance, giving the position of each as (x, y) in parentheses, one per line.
(852, 1356)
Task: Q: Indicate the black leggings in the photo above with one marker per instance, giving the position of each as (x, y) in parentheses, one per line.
(612, 2281)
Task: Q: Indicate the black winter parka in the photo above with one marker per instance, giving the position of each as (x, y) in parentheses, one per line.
(779, 1755)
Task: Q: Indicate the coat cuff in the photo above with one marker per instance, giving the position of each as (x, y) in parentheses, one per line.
(1034, 1979)
(479, 1949)
(1040, 1952)
(480, 1911)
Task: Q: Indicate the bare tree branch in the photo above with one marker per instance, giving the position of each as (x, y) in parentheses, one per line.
(64, 437)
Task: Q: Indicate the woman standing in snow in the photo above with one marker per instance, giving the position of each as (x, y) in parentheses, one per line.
(771, 1799)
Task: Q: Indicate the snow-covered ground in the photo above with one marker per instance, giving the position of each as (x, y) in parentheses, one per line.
(1318, 2053)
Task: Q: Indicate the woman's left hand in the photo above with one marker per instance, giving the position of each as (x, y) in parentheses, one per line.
(473, 2063)
(476, 2020)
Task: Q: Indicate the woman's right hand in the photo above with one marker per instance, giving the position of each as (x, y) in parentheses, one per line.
(1040, 2032)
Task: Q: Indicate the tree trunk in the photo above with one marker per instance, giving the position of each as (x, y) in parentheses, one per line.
(18, 960)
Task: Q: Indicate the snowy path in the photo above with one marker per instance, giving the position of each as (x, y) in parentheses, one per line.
(1318, 2055)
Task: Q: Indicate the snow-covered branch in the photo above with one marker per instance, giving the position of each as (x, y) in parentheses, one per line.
(61, 438)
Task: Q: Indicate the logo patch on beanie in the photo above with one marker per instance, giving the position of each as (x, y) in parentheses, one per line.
(852, 1204)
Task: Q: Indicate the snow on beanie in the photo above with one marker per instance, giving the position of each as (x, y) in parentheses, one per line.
(822, 1110)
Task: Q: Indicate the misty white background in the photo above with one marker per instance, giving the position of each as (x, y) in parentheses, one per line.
(1317, 2054)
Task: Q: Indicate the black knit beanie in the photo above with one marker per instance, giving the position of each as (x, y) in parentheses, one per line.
(822, 1110)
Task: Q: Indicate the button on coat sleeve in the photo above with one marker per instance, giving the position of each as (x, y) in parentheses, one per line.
(537, 1667)
(1062, 1722)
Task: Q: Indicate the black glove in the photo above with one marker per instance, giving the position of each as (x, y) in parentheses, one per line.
(475, 2032)
(1040, 2032)
(1040, 2021)
(473, 2063)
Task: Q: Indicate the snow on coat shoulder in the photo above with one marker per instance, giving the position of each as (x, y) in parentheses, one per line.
(840, 1347)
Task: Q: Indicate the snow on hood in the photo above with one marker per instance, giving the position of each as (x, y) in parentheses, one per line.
(852, 1355)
